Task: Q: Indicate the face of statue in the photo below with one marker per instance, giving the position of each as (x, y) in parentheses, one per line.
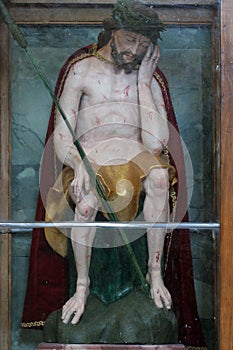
(128, 49)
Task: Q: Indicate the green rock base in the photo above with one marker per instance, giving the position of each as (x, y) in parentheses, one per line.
(133, 319)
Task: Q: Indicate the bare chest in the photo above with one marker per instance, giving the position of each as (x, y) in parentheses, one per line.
(104, 87)
(109, 105)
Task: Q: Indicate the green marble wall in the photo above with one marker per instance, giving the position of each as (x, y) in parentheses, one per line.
(187, 62)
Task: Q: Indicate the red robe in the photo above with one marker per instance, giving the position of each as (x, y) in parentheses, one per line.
(48, 277)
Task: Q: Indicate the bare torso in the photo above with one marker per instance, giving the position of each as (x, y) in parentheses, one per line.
(108, 123)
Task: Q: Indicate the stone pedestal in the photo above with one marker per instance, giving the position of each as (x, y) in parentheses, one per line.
(55, 346)
(133, 319)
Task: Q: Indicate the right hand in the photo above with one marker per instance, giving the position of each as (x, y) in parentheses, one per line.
(81, 183)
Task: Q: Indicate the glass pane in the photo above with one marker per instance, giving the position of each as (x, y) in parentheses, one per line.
(186, 60)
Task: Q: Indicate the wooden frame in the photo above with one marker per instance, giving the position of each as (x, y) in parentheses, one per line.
(5, 161)
(52, 346)
(226, 183)
(77, 14)
(73, 11)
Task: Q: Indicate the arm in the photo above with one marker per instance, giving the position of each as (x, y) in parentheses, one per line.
(155, 133)
(65, 150)
(63, 142)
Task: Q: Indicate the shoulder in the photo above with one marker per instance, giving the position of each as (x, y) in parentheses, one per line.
(81, 67)
(77, 60)
(85, 67)
(78, 73)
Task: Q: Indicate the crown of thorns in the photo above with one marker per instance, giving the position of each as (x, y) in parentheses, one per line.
(136, 16)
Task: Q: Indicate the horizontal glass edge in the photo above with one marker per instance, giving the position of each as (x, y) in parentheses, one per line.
(25, 226)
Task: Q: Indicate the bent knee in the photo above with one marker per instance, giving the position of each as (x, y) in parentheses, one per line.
(86, 206)
(84, 210)
(157, 179)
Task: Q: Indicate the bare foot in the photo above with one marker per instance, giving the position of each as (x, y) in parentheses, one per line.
(75, 305)
(159, 292)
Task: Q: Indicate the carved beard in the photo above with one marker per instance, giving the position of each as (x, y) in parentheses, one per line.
(119, 61)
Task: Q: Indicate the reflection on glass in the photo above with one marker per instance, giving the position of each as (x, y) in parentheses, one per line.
(186, 58)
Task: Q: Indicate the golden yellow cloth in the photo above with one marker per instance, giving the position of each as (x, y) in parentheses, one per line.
(122, 184)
